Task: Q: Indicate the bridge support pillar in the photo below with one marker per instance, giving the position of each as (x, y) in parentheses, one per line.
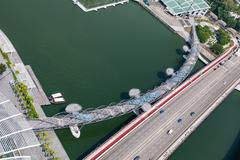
(146, 106)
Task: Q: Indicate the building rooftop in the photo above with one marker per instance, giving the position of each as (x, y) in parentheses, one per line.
(182, 6)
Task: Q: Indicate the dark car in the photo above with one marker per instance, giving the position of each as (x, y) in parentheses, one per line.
(136, 158)
(192, 113)
(179, 120)
(161, 111)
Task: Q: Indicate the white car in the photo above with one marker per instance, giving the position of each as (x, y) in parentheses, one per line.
(170, 131)
(224, 83)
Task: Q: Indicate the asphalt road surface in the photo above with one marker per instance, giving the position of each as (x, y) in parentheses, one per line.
(150, 139)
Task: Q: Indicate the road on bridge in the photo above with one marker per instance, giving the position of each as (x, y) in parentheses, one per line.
(149, 139)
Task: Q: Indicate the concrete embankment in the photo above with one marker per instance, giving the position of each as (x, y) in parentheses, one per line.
(41, 98)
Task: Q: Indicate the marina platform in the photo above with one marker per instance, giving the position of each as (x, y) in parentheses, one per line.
(80, 5)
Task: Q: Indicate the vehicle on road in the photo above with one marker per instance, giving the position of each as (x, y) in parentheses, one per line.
(224, 83)
(170, 131)
(179, 120)
(161, 111)
(136, 158)
(192, 113)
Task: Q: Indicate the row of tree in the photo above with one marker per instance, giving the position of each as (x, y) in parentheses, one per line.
(44, 139)
(22, 91)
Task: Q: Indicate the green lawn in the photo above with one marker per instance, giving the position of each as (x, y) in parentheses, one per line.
(94, 3)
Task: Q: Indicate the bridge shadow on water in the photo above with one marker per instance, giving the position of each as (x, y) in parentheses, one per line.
(102, 140)
(162, 76)
(180, 52)
(234, 151)
(181, 60)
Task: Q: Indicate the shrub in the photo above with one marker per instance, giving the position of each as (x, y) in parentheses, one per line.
(204, 33)
(2, 68)
(223, 37)
(217, 48)
(28, 100)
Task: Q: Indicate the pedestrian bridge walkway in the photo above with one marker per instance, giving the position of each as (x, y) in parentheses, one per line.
(64, 120)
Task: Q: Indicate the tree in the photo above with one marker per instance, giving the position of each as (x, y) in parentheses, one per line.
(238, 25)
(223, 37)
(222, 9)
(217, 48)
(204, 33)
(2, 68)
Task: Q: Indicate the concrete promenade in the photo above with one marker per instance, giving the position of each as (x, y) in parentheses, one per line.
(99, 7)
(147, 137)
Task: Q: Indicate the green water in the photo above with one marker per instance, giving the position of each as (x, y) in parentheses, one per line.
(95, 58)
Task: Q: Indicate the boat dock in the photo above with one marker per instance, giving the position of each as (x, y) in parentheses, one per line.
(80, 5)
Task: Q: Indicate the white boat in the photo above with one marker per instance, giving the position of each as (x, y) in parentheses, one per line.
(57, 100)
(55, 95)
(75, 1)
(75, 131)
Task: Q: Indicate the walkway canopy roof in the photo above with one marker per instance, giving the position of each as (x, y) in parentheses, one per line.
(15, 132)
(182, 6)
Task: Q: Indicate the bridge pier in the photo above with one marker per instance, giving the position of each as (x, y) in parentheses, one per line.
(73, 108)
(170, 72)
(134, 93)
(146, 106)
